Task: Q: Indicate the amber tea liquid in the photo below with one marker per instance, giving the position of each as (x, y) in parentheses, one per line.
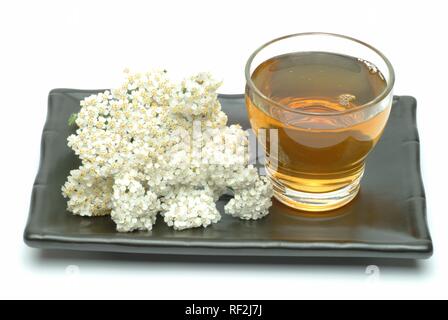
(322, 145)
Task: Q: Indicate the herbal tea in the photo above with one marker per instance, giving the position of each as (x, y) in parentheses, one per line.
(322, 144)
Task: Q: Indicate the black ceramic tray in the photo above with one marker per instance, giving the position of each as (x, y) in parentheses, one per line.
(387, 218)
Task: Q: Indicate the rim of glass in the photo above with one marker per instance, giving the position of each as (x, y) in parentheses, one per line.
(378, 98)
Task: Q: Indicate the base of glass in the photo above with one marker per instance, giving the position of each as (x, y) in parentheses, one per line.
(315, 202)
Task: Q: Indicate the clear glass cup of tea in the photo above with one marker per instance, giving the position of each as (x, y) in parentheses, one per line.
(318, 103)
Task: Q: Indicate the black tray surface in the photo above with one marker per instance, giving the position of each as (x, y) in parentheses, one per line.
(386, 220)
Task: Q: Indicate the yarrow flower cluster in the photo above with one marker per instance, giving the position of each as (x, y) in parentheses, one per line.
(153, 147)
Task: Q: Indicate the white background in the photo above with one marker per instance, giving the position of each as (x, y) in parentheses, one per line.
(87, 44)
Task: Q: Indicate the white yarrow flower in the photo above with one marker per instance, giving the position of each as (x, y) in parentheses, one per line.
(153, 146)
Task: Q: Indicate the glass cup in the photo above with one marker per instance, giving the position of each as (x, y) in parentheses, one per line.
(318, 103)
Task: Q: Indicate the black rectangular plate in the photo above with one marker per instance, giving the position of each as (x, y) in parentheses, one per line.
(387, 219)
